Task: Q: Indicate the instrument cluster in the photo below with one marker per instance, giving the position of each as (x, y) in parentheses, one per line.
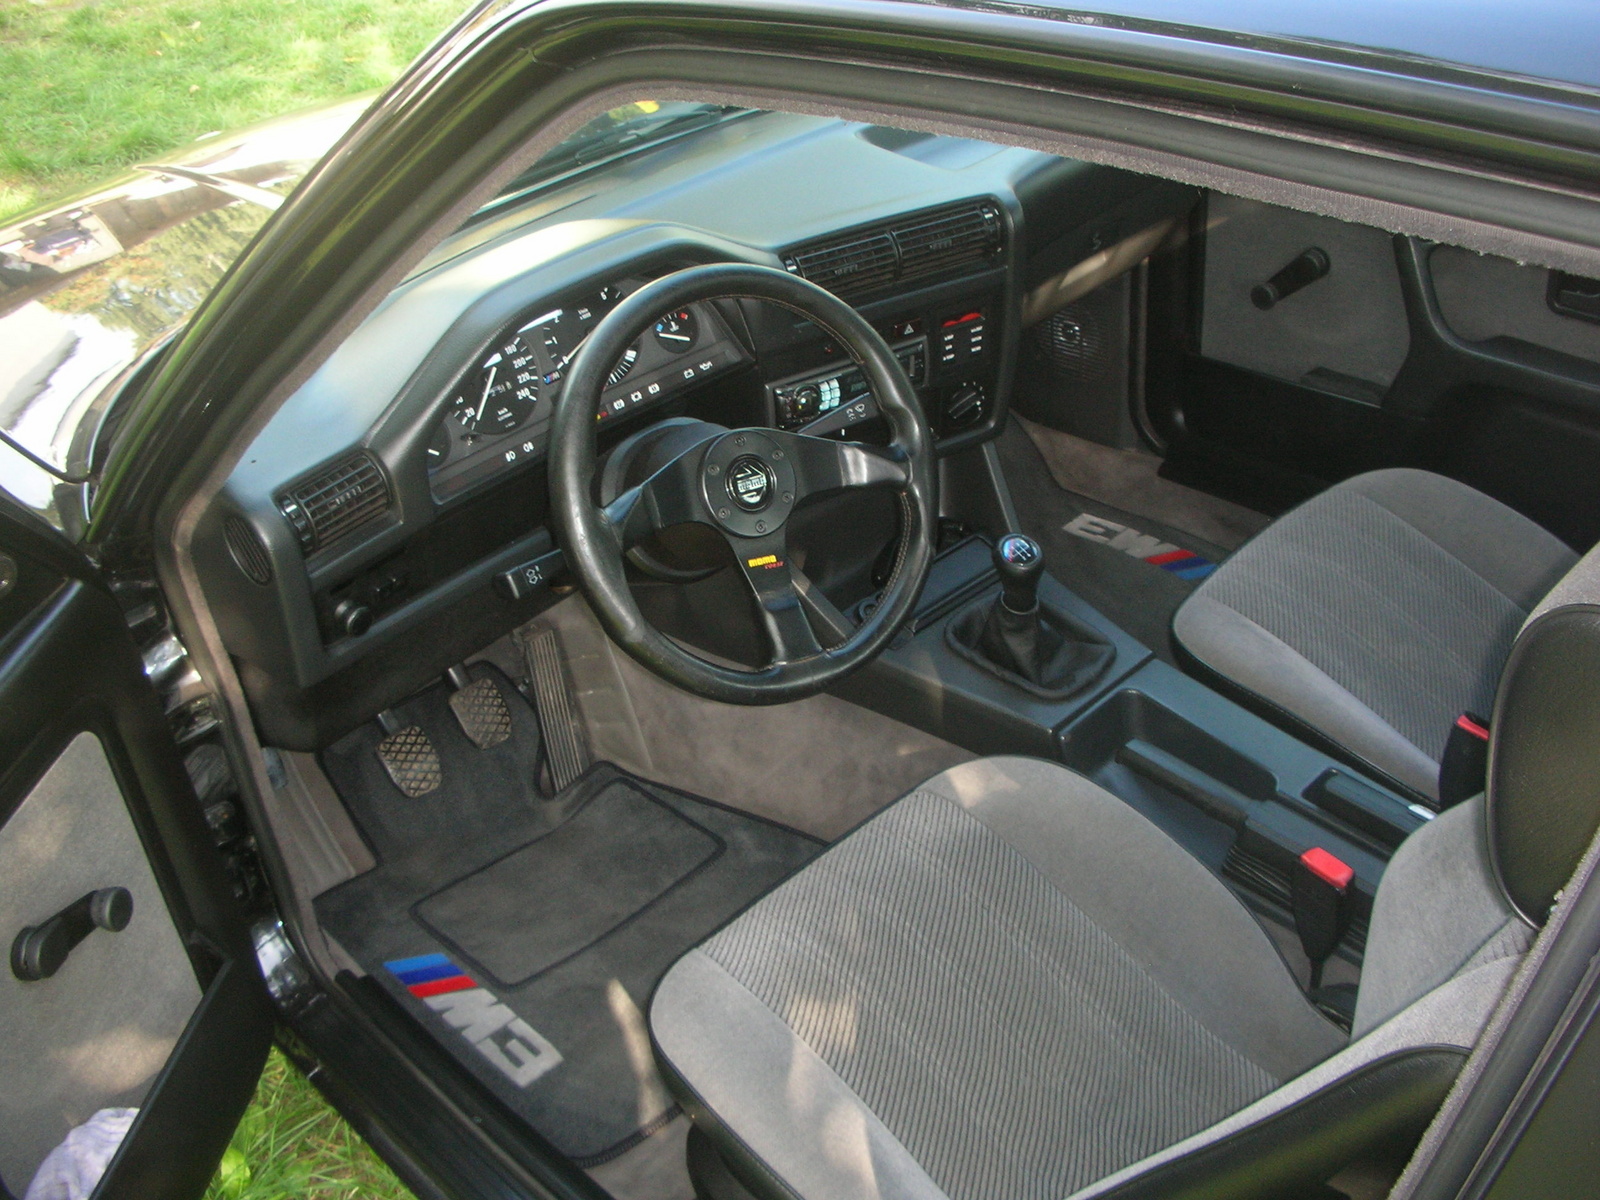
(499, 412)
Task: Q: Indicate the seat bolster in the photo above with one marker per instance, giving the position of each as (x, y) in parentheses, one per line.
(1520, 559)
(1437, 904)
(1154, 898)
(1225, 641)
(1452, 1015)
(1580, 585)
(760, 1085)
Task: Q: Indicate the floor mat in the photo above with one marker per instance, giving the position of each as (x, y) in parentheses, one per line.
(1131, 481)
(1127, 582)
(527, 933)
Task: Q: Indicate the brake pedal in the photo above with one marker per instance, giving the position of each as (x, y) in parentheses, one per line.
(409, 757)
(480, 709)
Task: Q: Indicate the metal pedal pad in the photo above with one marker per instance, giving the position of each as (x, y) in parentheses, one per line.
(411, 761)
(481, 711)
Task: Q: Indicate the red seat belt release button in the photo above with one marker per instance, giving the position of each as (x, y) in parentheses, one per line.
(1332, 871)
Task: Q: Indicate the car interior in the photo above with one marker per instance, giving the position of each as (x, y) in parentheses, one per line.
(805, 658)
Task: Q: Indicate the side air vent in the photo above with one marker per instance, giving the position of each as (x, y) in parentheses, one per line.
(917, 246)
(336, 501)
(249, 555)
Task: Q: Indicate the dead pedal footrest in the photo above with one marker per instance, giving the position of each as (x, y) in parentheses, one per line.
(482, 712)
(411, 761)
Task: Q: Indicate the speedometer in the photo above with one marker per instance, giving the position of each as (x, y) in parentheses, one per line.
(497, 400)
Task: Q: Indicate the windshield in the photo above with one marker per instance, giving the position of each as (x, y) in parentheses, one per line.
(619, 131)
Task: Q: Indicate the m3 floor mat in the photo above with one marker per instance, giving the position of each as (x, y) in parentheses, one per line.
(528, 934)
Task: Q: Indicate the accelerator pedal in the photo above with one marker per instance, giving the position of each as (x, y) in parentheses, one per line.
(566, 748)
(480, 709)
(409, 757)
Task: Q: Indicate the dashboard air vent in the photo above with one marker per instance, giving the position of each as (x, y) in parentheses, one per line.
(944, 240)
(862, 265)
(335, 501)
(249, 555)
(916, 246)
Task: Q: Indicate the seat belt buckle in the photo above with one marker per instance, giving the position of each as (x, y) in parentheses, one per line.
(1464, 769)
(1320, 889)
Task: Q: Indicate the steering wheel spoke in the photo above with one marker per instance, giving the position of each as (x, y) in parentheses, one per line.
(824, 465)
(669, 497)
(765, 563)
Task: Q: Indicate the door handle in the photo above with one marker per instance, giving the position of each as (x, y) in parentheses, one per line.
(39, 950)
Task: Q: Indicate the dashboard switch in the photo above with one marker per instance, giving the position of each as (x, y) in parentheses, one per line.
(352, 617)
(527, 578)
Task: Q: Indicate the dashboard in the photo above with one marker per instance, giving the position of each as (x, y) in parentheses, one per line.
(354, 551)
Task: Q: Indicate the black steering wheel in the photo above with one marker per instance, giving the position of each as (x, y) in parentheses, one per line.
(743, 483)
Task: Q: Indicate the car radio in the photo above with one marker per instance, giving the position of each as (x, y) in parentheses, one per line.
(800, 401)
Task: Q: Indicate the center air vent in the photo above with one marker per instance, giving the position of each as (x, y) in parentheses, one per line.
(907, 248)
(335, 501)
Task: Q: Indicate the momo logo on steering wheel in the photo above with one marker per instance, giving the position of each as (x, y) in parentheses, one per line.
(750, 483)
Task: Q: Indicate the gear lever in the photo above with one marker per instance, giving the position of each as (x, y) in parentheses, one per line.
(1039, 647)
(1020, 562)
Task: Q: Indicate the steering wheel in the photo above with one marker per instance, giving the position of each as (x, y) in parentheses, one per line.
(744, 483)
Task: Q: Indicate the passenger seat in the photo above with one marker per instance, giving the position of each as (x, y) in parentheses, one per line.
(1377, 613)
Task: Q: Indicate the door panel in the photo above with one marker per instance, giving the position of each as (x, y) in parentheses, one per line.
(1403, 353)
(1481, 297)
(96, 1033)
(169, 1013)
(1344, 333)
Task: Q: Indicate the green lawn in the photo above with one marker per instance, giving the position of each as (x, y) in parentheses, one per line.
(291, 1145)
(91, 86)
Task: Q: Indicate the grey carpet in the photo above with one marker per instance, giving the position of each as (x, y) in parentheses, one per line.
(1129, 480)
(1139, 597)
(821, 765)
(584, 901)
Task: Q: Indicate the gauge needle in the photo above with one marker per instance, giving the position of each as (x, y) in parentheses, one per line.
(672, 337)
(488, 386)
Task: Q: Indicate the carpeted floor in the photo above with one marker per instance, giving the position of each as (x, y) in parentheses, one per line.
(565, 910)
(1137, 594)
(1130, 481)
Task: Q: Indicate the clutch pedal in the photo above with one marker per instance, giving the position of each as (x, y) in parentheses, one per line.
(480, 709)
(409, 757)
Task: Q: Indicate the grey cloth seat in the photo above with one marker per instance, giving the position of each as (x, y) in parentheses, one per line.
(1010, 984)
(1376, 613)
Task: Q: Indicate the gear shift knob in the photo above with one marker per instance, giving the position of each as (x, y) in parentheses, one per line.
(1020, 561)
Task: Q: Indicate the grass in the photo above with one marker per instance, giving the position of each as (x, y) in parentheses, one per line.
(91, 86)
(291, 1144)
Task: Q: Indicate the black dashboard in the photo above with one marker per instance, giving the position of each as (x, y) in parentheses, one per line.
(358, 539)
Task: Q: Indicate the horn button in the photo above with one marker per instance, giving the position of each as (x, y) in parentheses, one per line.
(749, 483)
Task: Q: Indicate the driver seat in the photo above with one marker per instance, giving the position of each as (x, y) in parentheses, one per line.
(1011, 984)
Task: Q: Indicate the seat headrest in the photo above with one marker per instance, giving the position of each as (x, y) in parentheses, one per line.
(1543, 798)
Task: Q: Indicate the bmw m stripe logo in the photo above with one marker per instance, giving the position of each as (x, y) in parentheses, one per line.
(513, 1047)
(1185, 564)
